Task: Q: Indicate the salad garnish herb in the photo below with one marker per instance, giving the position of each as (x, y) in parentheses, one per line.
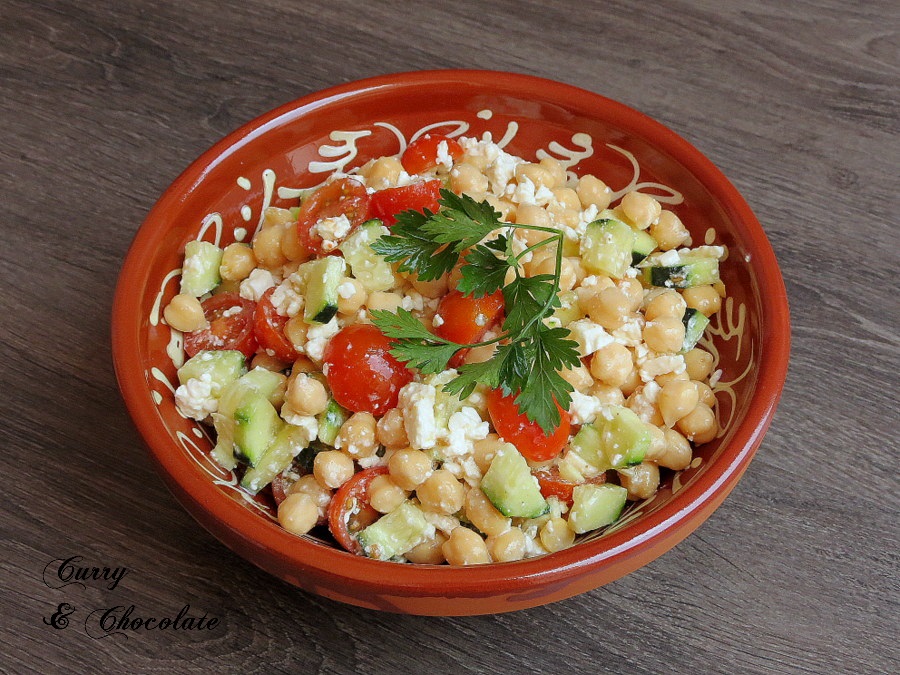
(530, 353)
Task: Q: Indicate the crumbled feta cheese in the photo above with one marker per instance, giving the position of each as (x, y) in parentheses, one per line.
(416, 401)
(630, 332)
(465, 426)
(404, 179)
(443, 155)
(197, 397)
(642, 401)
(526, 192)
(437, 321)
(584, 409)
(669, 258)
(650, 368)
(371, 461)
(332, 231)
(501, 166)
(590, 336)
(232, 311)
(705, 251)
(285, 298)
(254, 286)
(445, 524)
(318, 336)
(346, 289)
(306, 422)
(413, 301)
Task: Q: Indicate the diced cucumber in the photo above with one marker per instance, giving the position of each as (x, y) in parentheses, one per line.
(200, 271)
(222, 366)
(223, 452)
(695, 322)
(595, 506)
(330, 421)
(256, 423)
(606, 248)
(325, 275)
(259, 380)
(511, 487)
(287, 445)
(568, 310)
(689, 270)
(444, 404)
(369, 268)
(618, 440)
(395, 533)
(643, 246)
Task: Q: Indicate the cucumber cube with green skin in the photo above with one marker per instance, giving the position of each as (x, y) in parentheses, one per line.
(695, 322)
(369, 268)
(615, 440)
(510, 486)
(606, 247)
(256, 423)
(396, 533)
(289, 442)
(690, 270)
(223, 452)
(200, 271)
(259, 380)
(595, 506)
(330, 421)
(222, 366)
(643, 246)
(325, 276)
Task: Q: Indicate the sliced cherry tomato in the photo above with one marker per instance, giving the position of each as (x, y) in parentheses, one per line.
(349, 511)
(466, 318)
(422, 154)
(386, 204)
(268, 325)
(344, 197)
(228, 329)
(361, 372)
(526, 435)
(552, 485)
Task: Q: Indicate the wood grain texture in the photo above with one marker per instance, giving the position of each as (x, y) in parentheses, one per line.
(103, 104)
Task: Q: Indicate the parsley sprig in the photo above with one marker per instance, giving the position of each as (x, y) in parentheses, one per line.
(530, 353)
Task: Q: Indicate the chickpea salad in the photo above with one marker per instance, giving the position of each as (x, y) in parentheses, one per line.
(452, 355)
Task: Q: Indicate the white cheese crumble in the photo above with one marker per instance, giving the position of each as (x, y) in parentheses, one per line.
(254, 286)
(197, 397)
(416, 402)
(443, 155)
(332, 231)
(651, 368)
(346, 289)
(669, 258)
(286, 300)
(584, 409)
(590, 336)
(306, 422)
(232, 311)
(642, 402)
(437, 321)
(318, 336)
(413, 301)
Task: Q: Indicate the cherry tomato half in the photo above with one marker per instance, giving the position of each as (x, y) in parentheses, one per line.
(344, 197)
(466, 318)
(362, 374)
(386, 204)
(227, 329)
(553, 485)
(268, 325)
(526, 435)
(422, 154)
(349, 511)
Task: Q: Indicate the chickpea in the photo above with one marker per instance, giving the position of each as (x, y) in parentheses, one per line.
(676, 399)
(699, 363)
(700, 425)
(480, 354)
(612, 364)
(593, 192)
(430, 289)
(309, 485)
(665, 334)
(536, 173)
(306, 395)
(609, 394)
(238, 261)
(351, 296)
(507, 546)
(429, 552)
(356, 436)
(529, 214)
(267, 247)
(705, 392)
(705, 299)
(384, 172)
(484, 515)
(385, 495)
(567, 217)
(667, 303)
(669, 231)
(274, 216)
(332, 468)
(295, 331)
(303, 365)
(641, 209)
(465, 547)
(441, 492)
(505, 208)
(185, 313)
(663, 379)
(263, 360)
(677, 454)
(567, 276)
(567, 198)
(298, 513)
(292, 247)
(538, 258)
(609, 308)
(589, 289)
(557, 172)
(556, 535)
(390, 430)
(579, 377)
(634, 291)
(578, 269)
(465, 177)
(641, 481)
(384, 300)
(631, 383)
(485, 450)
(657, 447)
(409, 468)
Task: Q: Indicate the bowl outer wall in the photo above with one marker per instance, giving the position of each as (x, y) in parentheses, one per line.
(446, 590)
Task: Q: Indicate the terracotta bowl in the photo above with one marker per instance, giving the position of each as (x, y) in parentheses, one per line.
(297, 146)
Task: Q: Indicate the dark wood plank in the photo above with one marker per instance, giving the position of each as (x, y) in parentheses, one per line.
(103, 104)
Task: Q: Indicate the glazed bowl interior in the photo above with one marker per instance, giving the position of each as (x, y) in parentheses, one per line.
(221, 197)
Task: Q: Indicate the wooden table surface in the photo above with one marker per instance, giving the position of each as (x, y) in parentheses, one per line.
(104, 103)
